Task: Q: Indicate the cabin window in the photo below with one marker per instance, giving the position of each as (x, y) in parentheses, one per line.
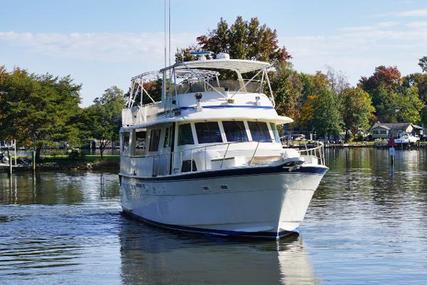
(140, 142)
(185, 135)
(125, 142)
(154, 140)
(235, 131)
(275, 132)
(259, 131)
(188, 166)
(208, 132)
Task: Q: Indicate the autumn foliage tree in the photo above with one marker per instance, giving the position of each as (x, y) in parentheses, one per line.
(242, 40)
(395, 98)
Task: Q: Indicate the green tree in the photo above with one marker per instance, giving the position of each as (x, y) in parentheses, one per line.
(326, 114)
(423, 63)
(38, 110)
(357, 110)
(423, 116)
(287, 86)
(312, 87)
(418, 80)
(386, 104)
(103, 118)
(409, 106)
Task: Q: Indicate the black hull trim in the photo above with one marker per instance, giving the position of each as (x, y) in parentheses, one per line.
(217, 233)
(240, 171)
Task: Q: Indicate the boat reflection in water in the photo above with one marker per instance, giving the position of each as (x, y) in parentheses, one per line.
(155, 256)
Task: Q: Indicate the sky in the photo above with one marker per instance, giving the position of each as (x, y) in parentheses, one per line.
(102, 43)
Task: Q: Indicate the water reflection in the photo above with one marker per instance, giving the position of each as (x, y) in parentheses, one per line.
(50, 188)
(153, 256)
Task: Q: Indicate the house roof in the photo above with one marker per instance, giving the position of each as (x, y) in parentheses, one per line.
(394, 126)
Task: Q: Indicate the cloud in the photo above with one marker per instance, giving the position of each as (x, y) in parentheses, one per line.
(417, 25)
(358, 50)
(413, 13)
(105, 47)
(98, 60)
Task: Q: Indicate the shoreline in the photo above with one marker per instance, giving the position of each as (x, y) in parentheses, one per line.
(112, 162)
(92, 162)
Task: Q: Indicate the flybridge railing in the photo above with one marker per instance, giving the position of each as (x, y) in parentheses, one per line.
(307, 148)
(178, 80)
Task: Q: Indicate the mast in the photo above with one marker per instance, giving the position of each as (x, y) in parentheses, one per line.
(165, 31)
(167, 47)
(169, 32)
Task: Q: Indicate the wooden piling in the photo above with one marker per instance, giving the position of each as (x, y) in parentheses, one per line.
(392, 154)
(10, 163)
(34, 160)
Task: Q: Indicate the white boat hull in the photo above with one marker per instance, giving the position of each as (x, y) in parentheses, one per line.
(268, 204)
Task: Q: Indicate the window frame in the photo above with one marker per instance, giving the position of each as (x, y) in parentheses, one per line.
(244, 131)
(274, 132)
(167, 137)
(270, 140)
(125, 142)
(142, 151)
(202, 135)
(178, 135)
(151, 140)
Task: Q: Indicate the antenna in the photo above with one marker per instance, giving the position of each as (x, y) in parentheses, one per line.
(169, 2)
(165, 31)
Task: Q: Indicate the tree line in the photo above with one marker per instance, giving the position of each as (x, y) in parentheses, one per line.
(40, 111)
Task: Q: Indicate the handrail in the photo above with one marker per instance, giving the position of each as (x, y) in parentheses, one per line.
(189, 154)
(200, 161)
(225, 154)
(318, 150)
(189, 149)
(253, 156)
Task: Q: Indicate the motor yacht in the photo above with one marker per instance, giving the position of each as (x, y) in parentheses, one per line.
(207, 157)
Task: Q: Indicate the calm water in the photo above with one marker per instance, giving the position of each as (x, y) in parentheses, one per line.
(367, 224)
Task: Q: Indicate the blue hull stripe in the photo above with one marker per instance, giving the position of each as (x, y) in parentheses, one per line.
(223, 233)
(240, 172)
(229, 106)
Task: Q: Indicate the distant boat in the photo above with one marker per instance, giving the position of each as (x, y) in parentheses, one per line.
(207, 158)
(407, 139)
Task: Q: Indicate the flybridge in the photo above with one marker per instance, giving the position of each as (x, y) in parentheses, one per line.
(164, 91)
